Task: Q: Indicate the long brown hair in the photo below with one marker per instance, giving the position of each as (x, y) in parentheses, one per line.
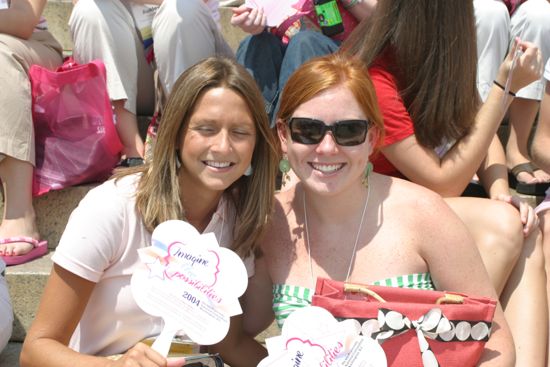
(158, 194)
(432, 45)
(321, 74)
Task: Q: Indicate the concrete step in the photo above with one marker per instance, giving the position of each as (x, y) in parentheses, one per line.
(57, 13)
(9, 357)
(26, 283)
(53, 210)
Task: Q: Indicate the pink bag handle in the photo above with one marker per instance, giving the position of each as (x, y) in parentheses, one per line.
(65, 74)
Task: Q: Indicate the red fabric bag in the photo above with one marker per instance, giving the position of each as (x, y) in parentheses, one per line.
(416, 328)
(75, 137)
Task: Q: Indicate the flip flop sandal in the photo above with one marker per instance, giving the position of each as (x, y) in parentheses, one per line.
(534, 189)
(40, 248)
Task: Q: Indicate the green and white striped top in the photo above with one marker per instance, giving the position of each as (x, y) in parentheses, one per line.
(287, 298)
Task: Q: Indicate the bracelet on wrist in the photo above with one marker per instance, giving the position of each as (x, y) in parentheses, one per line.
(502, 87)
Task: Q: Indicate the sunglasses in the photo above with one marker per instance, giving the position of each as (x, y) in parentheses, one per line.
(347, 133)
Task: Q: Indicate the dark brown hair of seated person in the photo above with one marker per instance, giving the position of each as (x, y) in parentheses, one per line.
(433, 47)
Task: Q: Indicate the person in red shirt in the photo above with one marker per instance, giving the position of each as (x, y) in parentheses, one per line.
(422, 60)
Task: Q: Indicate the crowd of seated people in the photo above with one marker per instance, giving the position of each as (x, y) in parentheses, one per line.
(498, 23)
(427, 105)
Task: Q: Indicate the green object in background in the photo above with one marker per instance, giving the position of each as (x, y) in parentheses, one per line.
(329, 17)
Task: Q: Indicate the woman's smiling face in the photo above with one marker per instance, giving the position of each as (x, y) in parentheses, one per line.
(219, 140)
(327, 167)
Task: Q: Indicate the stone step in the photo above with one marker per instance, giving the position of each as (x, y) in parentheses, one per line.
(26, 283)
(57, 13)
(9, 357)
(53, 210)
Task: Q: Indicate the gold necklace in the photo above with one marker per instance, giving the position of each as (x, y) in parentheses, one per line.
(351, 261)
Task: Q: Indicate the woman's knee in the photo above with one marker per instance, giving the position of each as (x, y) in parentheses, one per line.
(506, 229)
(14, 71)
(7, 57)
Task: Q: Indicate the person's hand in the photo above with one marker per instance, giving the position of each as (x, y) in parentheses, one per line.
(527, 67)
(251, 21)
(143, 355)
(526, 212)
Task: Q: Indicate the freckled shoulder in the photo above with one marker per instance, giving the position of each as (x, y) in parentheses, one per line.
(411, 200)
(419, 215)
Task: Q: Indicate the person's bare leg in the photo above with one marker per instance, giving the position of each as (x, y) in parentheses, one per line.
(516, 267)
(524, 300)
(522, 115)
(127, 128)
(19, 217)
(497, 232)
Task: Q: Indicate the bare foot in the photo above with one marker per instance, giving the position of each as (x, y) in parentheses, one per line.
(17, 228)
(526, 177)
(542, 176)
(527, 173)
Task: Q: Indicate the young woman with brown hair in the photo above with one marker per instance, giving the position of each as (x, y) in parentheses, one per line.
(213, 166)
(422, 59)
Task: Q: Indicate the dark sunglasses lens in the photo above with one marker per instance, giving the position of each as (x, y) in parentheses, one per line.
(352, 132)
(306, 131)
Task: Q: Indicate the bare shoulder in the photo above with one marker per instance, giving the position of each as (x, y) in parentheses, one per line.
(411, 200)
(421, 214)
